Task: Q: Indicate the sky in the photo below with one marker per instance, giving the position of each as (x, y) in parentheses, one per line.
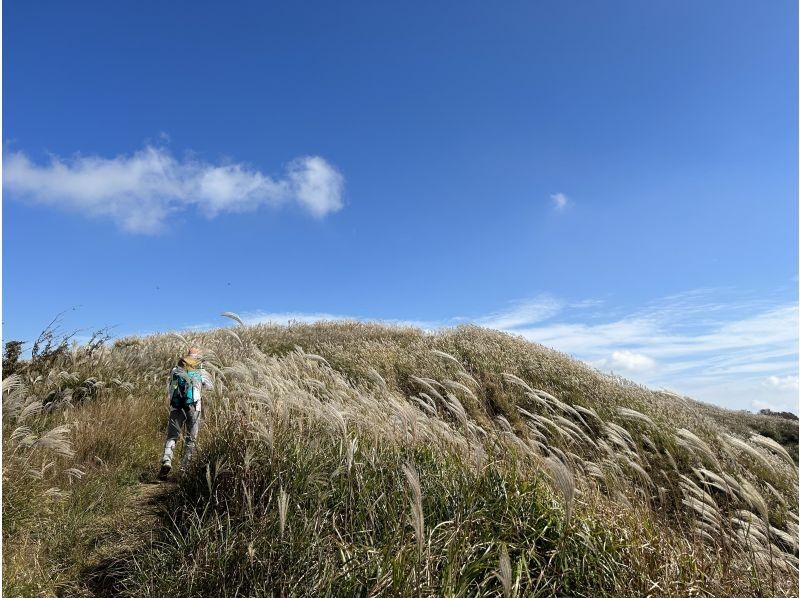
(616, 180)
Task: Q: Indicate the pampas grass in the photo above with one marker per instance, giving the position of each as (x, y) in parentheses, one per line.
(633, 415)
(417, 515)
(750, 450)
(283, 509)
(773, 446)
(697, 445)
(564, 483)
(308, 472)
(233, 316)
(504, 571)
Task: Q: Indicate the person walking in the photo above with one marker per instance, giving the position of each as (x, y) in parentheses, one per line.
(187, 380)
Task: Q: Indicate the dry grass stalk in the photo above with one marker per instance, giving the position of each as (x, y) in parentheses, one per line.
(373, 373)
(446, 357)
(283, 509)
(563, 483)
(709, 478)
(518, 381)
(698, 445)
(458, 386)
(734, 442)
(417, 516)
(55, 440)
(620, 432)
(503, 424)
(634, 415)
(233, 316)
(426, 384)
(773, 446)
(503, 572)
(754, 499)
(590, 415)
(692, 489)
(424, 406)
(317, 358)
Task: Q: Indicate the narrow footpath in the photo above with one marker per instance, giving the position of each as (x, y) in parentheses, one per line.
(130, 528)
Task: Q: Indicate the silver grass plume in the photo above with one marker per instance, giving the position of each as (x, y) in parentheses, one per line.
(616, 432)
(423, 405)
(518, 381)
(317, 358)
(734, 442)
(426, 384)
(698, 445)
(710, 479)
(503, 572)
(754, 498)
(775, 494)
(564, 483)
(452, 384)
(589, 414)
(634, 415)
(447, 357)
(283, 509)
(770, 444)
(233, 316)
(503, 424)
(373, 373)
(417, 516)
(55, 440)
(465, 376)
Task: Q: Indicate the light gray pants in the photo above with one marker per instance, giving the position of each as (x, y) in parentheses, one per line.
(189, 419)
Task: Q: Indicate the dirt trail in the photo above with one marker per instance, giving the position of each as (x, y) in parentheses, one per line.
(129, 529)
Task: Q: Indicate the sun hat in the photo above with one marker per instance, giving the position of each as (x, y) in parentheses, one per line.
(193, 358)
(190, 362)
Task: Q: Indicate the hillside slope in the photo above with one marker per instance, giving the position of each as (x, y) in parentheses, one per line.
(358, 459)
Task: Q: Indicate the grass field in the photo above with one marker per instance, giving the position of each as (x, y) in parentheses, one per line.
(351, 459)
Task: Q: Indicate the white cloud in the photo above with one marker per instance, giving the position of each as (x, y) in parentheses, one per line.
(140, 190)
(783, 382)
(630, 361)
(316, 185)
(560, 201)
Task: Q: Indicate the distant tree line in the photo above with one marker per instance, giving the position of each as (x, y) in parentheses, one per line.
(783, 414)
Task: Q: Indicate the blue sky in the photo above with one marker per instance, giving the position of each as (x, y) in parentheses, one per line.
(617, 180)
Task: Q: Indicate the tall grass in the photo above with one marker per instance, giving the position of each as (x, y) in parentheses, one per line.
(355, 459)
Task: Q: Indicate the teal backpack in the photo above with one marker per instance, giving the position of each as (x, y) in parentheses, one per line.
(182, 385)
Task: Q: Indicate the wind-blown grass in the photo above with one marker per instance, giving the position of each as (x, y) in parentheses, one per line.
(353, 459)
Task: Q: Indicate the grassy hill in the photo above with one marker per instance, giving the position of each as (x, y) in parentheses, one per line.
(355, 459)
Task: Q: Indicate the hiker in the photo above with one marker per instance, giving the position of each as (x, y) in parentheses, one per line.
(184, 392)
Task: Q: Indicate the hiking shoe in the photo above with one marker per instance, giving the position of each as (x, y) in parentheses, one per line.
(164, 471)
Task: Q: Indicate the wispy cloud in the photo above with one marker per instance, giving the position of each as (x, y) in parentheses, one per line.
(733, 353)
(560, 201)
(521, 313)
(783, 382)
(138, 191)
